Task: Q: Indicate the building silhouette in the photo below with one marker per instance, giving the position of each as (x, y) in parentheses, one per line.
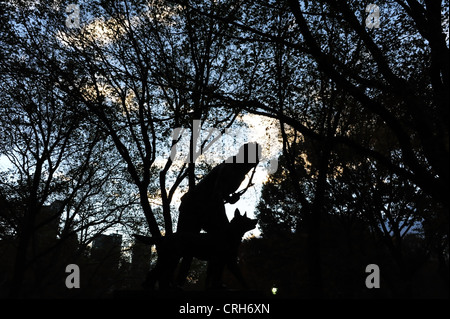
(106, 250)
(140, 263)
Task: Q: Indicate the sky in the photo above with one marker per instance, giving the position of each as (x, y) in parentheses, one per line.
(4, 163)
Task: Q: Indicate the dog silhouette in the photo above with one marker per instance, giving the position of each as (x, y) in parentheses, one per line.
(218, 248)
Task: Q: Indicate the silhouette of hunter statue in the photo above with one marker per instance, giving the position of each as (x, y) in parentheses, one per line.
(203, 206)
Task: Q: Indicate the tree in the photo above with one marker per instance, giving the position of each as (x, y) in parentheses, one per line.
(53, 154)
(398, 83)
(374, 67)
(138, 95)
(278, 211)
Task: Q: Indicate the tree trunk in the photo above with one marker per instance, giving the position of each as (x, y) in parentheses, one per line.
(148, 213)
